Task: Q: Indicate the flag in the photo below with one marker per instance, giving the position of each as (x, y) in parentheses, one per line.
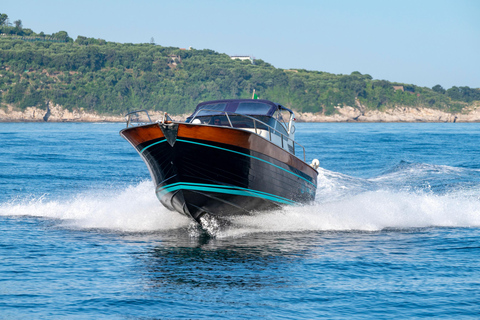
(254, 96)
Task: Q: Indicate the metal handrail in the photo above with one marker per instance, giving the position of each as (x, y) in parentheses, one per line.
(255, 120)
(128, 116)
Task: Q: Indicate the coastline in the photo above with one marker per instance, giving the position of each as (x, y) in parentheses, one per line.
(56, 113)
(397, 114)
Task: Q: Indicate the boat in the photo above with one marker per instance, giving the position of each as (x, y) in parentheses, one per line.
(230, 157)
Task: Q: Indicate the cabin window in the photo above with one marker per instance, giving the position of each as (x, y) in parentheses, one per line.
(280, 127)
(282, 117)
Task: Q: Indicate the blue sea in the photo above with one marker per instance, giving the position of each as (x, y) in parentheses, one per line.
(394, 232)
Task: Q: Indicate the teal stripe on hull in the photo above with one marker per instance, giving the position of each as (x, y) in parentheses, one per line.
(222, 189)
(151, 145)
(233, 151)
(247, 155)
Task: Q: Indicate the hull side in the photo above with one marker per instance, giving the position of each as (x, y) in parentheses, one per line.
(221, 171)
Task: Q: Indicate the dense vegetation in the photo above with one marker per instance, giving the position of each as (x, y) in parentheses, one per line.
(114, 78)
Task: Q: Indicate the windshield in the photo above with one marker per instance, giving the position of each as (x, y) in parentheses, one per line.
(253, 108)
(208, 109)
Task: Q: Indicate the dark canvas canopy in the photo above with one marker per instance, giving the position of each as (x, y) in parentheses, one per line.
(251, 107)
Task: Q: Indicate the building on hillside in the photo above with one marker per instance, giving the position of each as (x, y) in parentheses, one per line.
(252, 59)
(174, 59)
(398, 88)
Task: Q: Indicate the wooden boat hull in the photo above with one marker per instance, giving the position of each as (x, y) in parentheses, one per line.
(221, 171)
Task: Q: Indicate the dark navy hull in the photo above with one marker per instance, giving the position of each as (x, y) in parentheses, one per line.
(196, 176)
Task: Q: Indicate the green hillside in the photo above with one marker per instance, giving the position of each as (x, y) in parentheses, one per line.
(113, 78)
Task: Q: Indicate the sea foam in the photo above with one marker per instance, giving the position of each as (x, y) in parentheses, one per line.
(343, 203)
(134, 208)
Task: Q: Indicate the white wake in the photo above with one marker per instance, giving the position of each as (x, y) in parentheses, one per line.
(132, 209)
(343, 203)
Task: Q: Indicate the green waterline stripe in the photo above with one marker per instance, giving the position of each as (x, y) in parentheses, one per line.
(247, 155)
(152, 145)
(226, 187)
(223, 189)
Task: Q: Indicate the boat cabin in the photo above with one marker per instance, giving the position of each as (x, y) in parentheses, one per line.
(267, 119)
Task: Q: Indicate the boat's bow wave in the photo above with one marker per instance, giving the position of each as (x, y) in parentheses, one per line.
(397, 199)
(133, 209)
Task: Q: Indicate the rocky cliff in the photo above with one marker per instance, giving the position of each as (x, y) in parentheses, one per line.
(56, 113)
(397, 114)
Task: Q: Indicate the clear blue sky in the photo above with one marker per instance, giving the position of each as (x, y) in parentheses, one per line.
(421, 42)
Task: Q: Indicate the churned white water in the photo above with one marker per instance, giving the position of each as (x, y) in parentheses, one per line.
(343, 203)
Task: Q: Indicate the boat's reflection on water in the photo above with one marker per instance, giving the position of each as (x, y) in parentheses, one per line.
(182, 260)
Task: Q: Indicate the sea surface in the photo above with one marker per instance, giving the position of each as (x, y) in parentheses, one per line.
(394, 232)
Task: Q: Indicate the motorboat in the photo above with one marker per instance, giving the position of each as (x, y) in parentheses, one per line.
(230, 157)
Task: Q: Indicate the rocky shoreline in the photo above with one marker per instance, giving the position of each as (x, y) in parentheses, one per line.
(397, 114)
(56, 113)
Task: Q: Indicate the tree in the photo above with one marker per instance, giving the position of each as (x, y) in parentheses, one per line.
(438, 88)
(62, 35)
(3, 19)
(18, 24)
(454, 93)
